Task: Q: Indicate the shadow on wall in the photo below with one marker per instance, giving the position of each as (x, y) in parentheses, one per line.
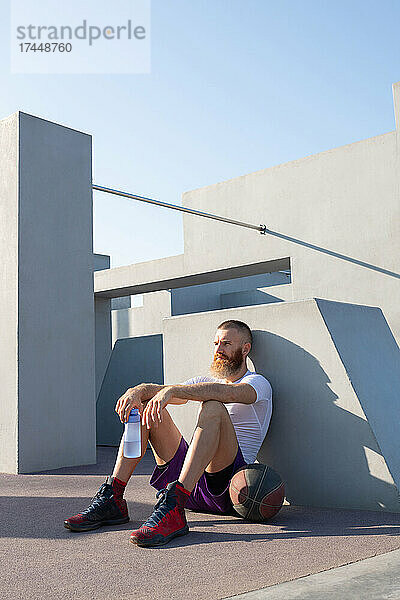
(247, 298)
(229, 293)
(333, 253)
(323, 451)
(133, 361)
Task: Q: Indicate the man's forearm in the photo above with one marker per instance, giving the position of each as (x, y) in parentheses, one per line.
(203, 391)
(149, 390)
(242, 393)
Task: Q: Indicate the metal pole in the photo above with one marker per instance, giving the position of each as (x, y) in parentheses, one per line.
(261, 228)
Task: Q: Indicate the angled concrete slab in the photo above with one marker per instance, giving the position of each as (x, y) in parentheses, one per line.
(371, 357)
(132, 361)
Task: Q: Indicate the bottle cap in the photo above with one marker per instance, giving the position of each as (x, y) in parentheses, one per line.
(134, 416)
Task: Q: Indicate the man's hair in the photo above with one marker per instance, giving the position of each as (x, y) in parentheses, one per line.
(240, 326)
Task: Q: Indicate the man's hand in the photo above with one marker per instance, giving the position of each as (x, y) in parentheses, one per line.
(152, 413)
(131, 399)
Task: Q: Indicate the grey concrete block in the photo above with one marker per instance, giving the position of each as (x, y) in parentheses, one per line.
(49, 414)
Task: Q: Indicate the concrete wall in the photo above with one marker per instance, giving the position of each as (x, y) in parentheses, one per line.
(147, 319)
(102, 316)
(266, 295)
(47, 312)
(9, 294)
(334, 433)
(213, 296)
(336, 214)
(104, 308)
(141, 320)
(133, 361)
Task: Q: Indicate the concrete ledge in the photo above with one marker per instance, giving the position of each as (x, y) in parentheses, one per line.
(170, 273)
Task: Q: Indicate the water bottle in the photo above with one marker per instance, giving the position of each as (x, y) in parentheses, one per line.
(132, 438)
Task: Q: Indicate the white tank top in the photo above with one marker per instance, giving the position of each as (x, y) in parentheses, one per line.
(250, 421)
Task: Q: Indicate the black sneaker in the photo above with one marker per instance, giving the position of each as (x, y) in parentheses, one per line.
(105, 509)
(168, 519)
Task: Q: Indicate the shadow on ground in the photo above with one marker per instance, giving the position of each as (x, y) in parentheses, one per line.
(106, 456)
(42, 517)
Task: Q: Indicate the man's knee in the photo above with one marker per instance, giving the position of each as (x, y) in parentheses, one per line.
(212, 409)
(162, 428)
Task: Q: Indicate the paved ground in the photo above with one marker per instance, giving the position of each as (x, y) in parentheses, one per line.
(221, 557)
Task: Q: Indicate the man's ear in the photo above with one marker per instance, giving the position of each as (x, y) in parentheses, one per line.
(246, 349)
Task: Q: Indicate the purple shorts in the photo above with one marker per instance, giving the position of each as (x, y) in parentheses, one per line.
(201, 499)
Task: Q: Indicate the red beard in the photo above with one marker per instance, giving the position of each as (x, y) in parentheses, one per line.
(225, 367)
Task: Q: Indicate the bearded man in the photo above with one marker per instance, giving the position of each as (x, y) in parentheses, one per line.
(235, 407)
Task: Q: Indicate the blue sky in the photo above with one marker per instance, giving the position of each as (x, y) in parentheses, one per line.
(235, 86)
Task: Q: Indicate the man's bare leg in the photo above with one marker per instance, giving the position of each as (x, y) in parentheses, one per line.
(164, 440)
(213, 447)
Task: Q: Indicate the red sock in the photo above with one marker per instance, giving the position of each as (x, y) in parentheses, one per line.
(118, 487)
(182, 494)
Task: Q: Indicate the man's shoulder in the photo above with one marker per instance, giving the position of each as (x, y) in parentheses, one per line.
(253, 374)
(261, 383)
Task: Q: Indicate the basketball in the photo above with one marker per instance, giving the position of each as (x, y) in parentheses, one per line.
(257, 492)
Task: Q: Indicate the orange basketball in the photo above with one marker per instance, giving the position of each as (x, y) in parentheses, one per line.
(257, 492)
